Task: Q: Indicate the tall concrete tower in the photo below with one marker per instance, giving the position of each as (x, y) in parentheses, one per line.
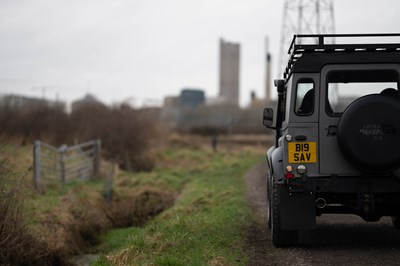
(229, 71)
(267, 71)
(304, 17)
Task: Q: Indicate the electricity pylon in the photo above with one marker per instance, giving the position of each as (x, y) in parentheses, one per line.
(304, 17)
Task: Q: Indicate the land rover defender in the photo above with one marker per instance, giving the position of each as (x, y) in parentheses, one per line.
(337, 126)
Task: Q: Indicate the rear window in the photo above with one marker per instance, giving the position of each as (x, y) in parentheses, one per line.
(304, 97)
(346, 86)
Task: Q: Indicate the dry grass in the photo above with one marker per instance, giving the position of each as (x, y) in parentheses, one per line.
(136, 208)
(83, 215)
(60, 226)
(17, 245)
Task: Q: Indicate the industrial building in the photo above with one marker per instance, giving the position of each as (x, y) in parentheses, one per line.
(229, 72)
(15, 102)
(191, 98)
(191, 111)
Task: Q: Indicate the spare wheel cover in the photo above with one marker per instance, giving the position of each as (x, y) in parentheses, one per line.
(369, 133)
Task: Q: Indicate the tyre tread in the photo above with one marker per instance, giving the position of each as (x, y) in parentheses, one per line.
(280, 238)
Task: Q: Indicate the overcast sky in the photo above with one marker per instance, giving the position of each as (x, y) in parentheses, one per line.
(144, 50)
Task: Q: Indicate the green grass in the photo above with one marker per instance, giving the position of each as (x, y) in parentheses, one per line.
(116, 238)
(208, 223)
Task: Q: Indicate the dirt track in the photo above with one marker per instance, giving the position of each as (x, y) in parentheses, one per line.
(338, 240)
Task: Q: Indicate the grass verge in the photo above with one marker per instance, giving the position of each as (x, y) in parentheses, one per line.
(208, 223)
(50, 228)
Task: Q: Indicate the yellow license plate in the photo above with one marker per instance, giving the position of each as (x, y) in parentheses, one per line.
(302, 152)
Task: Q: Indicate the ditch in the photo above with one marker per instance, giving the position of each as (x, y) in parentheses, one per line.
(75, 236)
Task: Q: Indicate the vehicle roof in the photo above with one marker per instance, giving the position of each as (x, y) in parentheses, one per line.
(312, 57)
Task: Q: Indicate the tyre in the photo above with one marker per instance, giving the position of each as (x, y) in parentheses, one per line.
(396, 221)
(280, 238)
(269, 218)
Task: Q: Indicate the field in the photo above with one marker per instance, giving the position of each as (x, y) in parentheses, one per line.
(190, 210)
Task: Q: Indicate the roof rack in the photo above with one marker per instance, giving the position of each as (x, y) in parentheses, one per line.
(297, 48)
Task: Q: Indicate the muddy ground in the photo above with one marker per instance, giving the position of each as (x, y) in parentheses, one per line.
(338, 239)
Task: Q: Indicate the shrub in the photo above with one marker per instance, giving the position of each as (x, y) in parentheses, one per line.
(47, 123)
(127, 134)
(17, 245)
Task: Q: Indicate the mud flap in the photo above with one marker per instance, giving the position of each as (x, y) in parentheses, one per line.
(297, 211)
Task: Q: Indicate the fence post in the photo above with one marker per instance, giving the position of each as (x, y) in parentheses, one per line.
(229, 129)
(37, 167)
(97, 157)
(110, 182)
(62, 151)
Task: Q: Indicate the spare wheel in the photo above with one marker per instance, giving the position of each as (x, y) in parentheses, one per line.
(369, 133)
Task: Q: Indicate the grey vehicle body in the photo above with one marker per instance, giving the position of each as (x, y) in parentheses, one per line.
(341, 153)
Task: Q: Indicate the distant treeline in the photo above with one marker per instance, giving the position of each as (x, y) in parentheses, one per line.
(218, 119)
(127, 134)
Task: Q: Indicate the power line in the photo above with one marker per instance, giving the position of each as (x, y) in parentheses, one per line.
(304, 17)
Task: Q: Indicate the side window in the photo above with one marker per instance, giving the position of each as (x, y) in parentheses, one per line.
(305, 97)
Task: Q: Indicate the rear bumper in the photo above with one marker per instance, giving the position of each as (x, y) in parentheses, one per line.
(369, 197)
(336, 184)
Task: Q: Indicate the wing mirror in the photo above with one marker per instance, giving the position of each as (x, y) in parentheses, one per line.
(280, 85)
(268, 117)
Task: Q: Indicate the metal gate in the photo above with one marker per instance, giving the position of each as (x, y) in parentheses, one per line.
(64, 164)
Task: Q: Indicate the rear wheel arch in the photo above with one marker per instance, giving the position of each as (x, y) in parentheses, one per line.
(277, 165)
